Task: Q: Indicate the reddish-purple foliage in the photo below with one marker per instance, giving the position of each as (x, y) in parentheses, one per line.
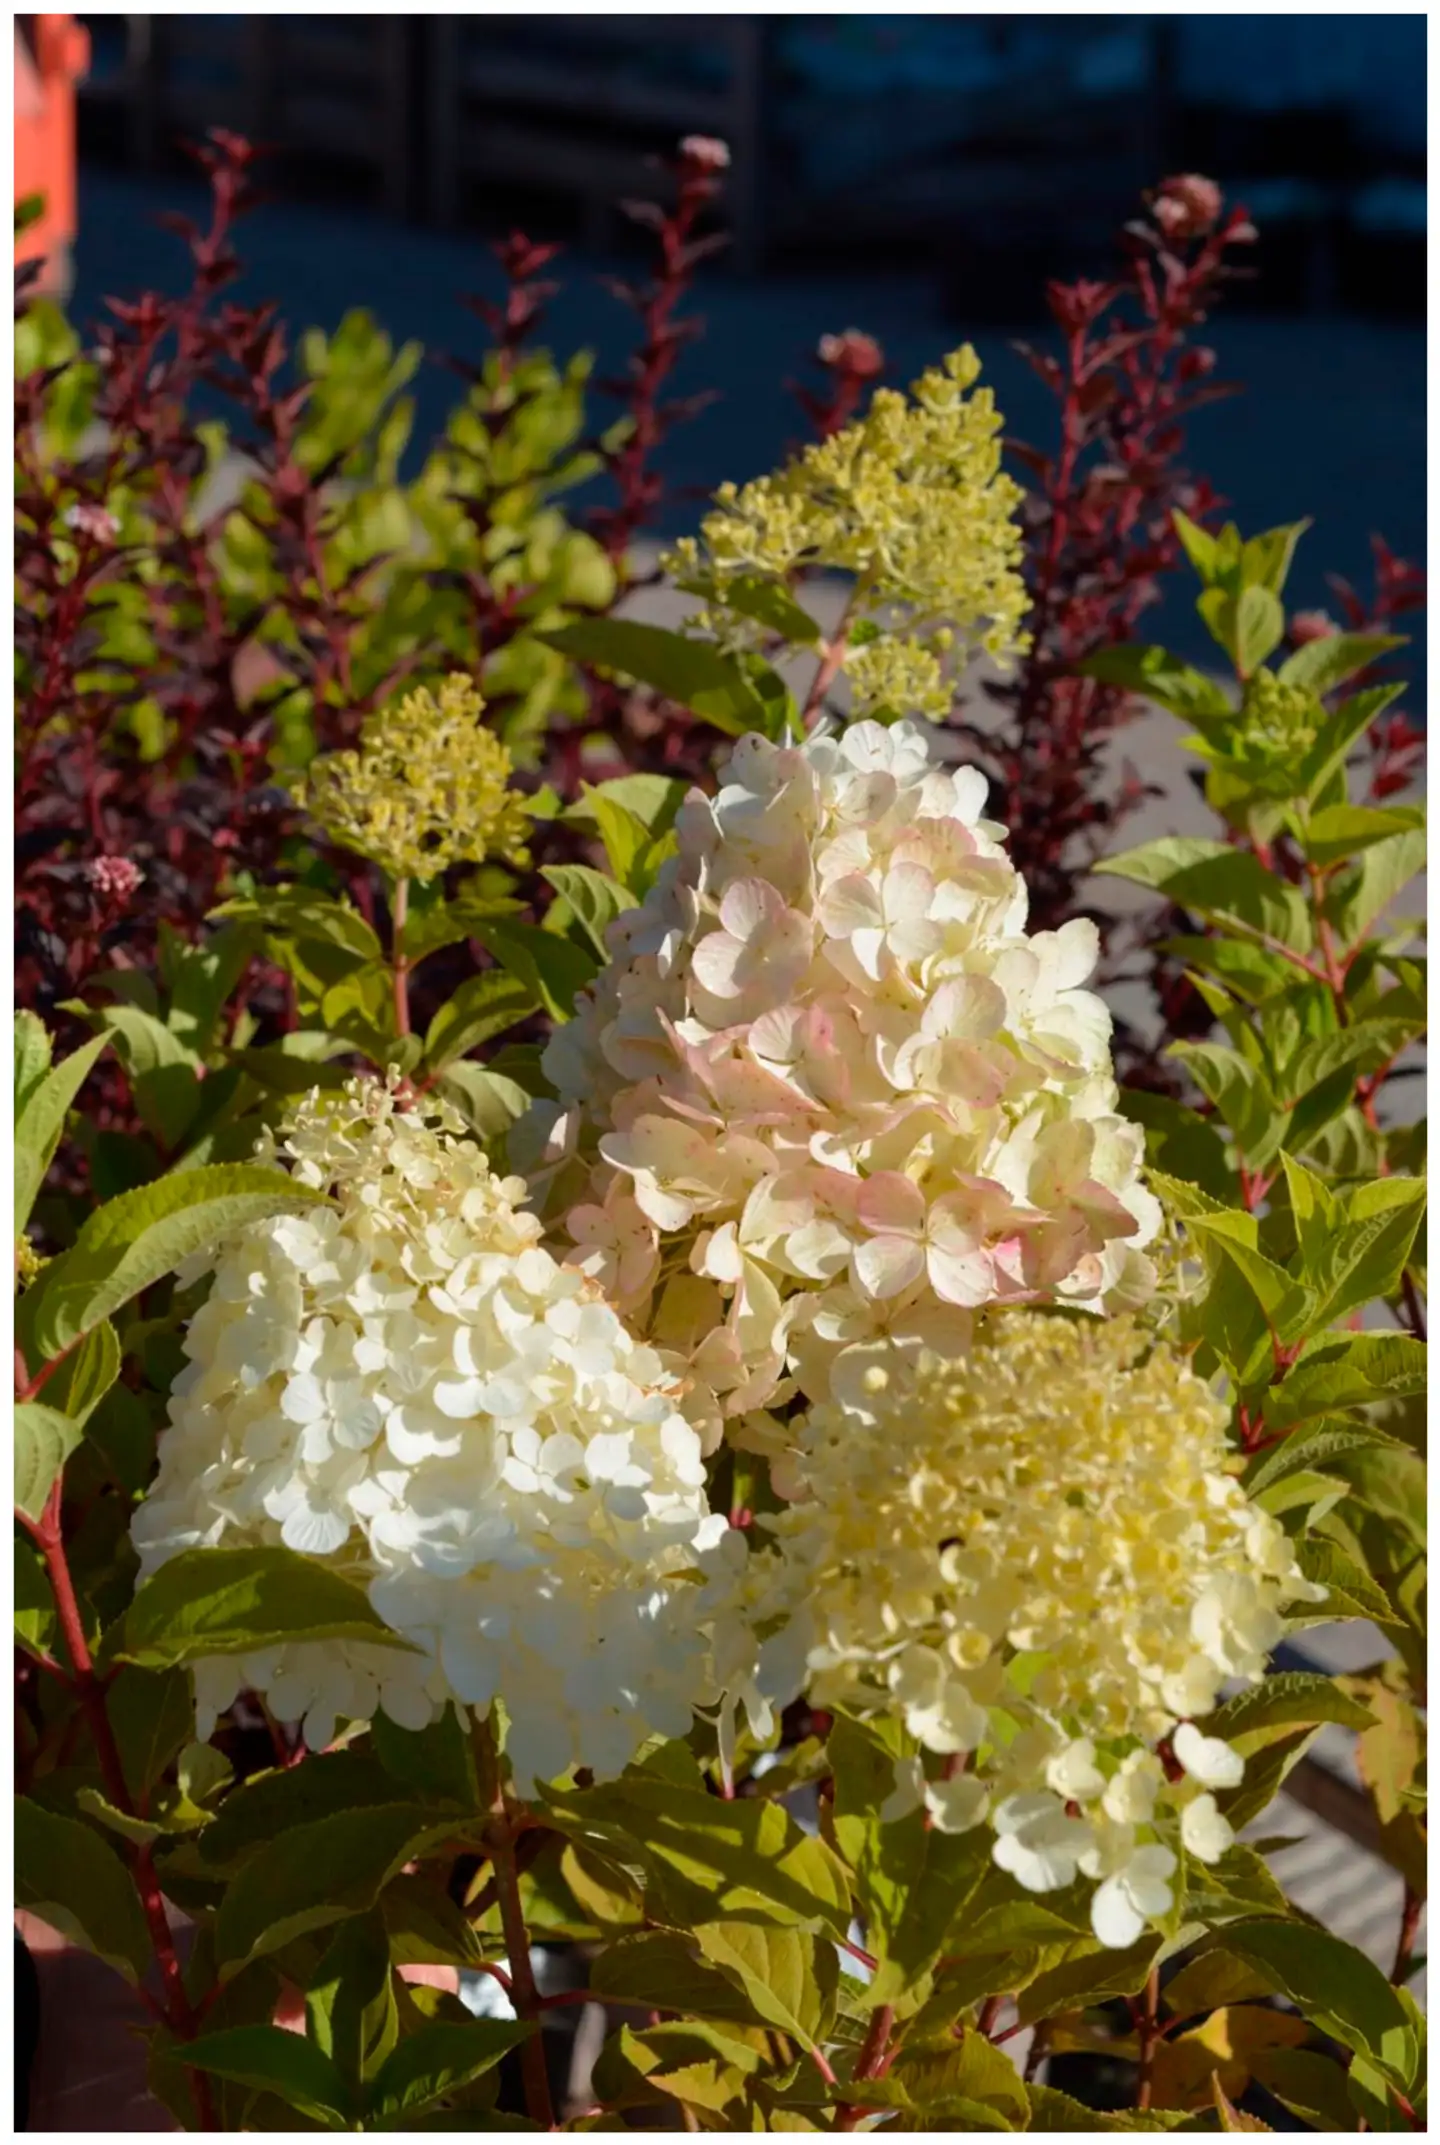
(1098, 526)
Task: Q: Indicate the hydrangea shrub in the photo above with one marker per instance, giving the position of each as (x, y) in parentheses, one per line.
(715, 1464)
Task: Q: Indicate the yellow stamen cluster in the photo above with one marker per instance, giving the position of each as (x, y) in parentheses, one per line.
(428, 788)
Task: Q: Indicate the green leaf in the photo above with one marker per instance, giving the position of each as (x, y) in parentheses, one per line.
(713, 686)
(592, 899)
(708, 1858)
(302, 914)
(1350, 1591)
(1282, 1700)
(1313, 1209)
(437, 2060)
(65, 1873)
(1239, 1883)
(1351, 1370)
(201, 978)
(1342, 831)
(32, 1058)
(1201, 548)
(43, 1102)
(1055, 2114)
(1309, 2085)
(1363, 1047)
(789, 1977)
(438, 1760)
(162, 1071)
(1259, 627)
(934, 2079)
(152, 1717)
(1322, 665)
(1306, 1448)
(1364, 1259)
(1288, 1308)
(445, 923)
(298, 1063)
(484, 1006)
(1331, 1983)
(1091, 1975)
(36, 1626)
(1161, 677)
(1228, 886)
(552, 969)
(1265, 1774)
(209, 1601)
(350, 2004)
(1248, 623)
(1265, 559)
(691, 2061)
(78, 1385)
(772, 605)
(1366, 889)
(656, 1970)
(1211, 1981)
(487, 1100)
(1180, 1141)
(1240, 1092)
(273, 1803)
(44, 1441)
(316, 1874)
(143, 1235)
(1336, 736)
(910, 1882)
(270, 2060)
(652, 800)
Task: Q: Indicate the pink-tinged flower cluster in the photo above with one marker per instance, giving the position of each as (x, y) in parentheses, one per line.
(829, 1091)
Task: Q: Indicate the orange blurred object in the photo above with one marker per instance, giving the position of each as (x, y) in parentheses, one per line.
(51, 53)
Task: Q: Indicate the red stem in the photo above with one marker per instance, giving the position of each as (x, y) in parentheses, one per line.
(179, 2015)
(871, 2064)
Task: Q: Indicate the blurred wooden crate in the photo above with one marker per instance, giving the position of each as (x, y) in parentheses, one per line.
(580, 105)
(328, 93)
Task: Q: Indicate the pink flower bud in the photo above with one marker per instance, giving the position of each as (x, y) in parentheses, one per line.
(1311, 626)
(114, 878)
(94, 521)
(705, 152)
(1187, 205)
(853, 352)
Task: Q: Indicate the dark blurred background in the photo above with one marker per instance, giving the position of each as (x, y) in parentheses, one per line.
(918, 176)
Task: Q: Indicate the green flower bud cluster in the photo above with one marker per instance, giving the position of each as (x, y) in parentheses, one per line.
(428, 788)
(911, 500)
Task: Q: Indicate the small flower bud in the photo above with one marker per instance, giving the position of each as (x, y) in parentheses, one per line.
(705, 153)
(92, 521)
(1187, 205)
(114, 878)
(1311, 626)
(853, 352)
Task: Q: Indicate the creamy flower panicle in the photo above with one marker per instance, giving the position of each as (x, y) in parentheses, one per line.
(831, 1091)
(1036, 1558)
(403, 1382)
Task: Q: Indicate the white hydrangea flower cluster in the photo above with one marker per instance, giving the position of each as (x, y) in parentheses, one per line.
(1037, 1559)
(839, 1093)
(404, 1382)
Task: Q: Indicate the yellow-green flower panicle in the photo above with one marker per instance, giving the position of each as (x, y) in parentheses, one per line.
(1037, 1558)
(911, 499)
(428, 788)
